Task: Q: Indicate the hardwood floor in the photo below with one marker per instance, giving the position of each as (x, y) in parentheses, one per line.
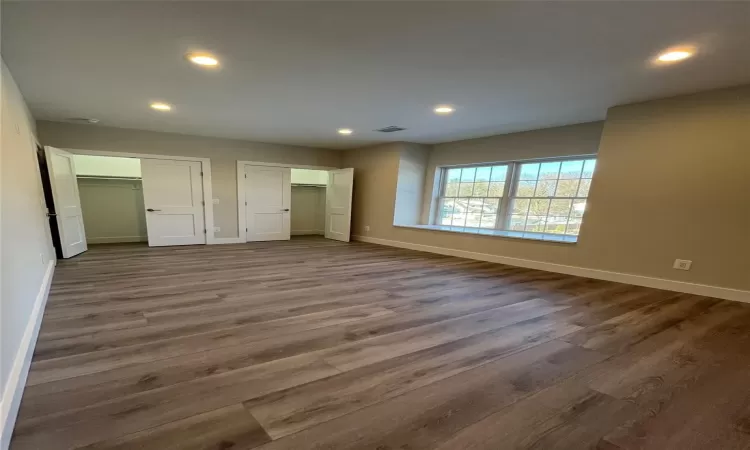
(317, 344)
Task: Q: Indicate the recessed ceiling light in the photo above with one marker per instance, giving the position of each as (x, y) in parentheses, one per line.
(443, 109)
(203, 59)
(345, 131)
(159, 106)
(675, 54)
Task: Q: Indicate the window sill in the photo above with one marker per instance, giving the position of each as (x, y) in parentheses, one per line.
(498, 233)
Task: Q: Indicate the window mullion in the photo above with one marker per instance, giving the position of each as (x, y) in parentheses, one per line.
(473, 186)
(436, 214)
(442, 186)
(503, 214)
(546, 216)
(570, 213)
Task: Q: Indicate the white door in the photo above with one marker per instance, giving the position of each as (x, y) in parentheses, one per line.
(339, 204)
(62, 177)
(173, 197)
(268, 192)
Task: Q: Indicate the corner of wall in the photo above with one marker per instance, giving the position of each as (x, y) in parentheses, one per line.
(28, 257)
(410, 183)
(14, 386)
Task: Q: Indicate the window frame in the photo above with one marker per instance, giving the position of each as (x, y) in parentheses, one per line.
(502, 221)
(444, 182)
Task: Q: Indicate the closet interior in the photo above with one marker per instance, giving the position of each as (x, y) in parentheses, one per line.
(308, 201)
(111, 193)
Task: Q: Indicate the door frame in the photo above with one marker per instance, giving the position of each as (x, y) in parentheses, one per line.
(208, 207)
(242, 203)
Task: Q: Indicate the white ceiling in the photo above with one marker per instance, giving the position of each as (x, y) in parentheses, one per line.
(294, 72)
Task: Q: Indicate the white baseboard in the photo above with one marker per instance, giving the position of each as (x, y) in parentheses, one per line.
(234, 240)
(239, 240)
(11, 399)
(638, 280)
(116, 239)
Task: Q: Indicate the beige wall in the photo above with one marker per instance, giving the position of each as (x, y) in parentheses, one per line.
(581, 139)
(410, 184)
(113, 210)
(375, 180)
(308, 205)
(24, 233)
(224, 153)
(672, 181)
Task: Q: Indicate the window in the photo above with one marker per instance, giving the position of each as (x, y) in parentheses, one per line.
(473, 196)
(536, 196)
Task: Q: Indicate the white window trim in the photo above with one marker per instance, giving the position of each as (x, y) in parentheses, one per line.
(504, 214)
(502, 205)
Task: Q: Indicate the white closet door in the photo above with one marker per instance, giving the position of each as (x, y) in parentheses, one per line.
(173, 197)
(62, 177)
(339, 204)
(268, 192)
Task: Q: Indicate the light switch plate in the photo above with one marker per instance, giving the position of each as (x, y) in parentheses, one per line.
(216, 201)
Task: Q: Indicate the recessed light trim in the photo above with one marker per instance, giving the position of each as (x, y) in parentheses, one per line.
(345, 131)
(444, 109)
(161, 106)
(203, 59)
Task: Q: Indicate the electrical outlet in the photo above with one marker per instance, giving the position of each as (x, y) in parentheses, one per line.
(682, 264)
(217, 229)
(367, 227)
(216, 201)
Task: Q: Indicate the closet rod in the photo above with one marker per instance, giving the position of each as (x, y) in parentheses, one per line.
(308, 185)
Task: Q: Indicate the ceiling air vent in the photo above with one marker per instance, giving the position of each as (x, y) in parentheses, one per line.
(391, 129)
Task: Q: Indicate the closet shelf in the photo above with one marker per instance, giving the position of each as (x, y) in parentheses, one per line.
(96, 177)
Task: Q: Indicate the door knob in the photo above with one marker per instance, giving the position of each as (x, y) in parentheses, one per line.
(285, 210)
(152, 210)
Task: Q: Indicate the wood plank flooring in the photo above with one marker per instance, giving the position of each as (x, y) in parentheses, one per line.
(317, 344)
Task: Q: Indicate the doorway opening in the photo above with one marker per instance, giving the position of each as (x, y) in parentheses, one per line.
(111, 191)
(308, 202)
(120, 198)
(49, 202)
(277, 202)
